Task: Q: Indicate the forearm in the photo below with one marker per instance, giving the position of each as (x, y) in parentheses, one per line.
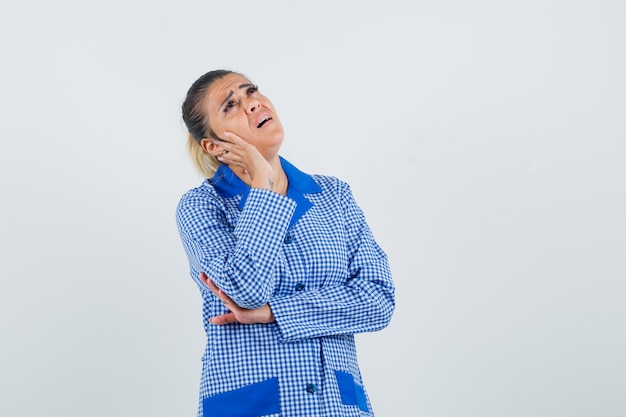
(242, 261)
(364, 304)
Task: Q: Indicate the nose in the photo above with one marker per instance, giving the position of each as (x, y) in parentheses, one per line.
(252, 104)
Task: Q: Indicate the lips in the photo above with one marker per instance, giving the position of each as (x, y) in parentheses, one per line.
(263, 120)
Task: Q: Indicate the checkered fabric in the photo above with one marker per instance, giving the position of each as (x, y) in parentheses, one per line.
(312, 257)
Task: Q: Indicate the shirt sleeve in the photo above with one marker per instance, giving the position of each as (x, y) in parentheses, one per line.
(364, 302)
(240, 261)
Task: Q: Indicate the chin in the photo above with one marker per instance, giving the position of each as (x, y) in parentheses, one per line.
(277, 138)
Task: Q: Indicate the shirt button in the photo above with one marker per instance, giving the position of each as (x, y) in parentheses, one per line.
(299, 286)
(288, 240)
(311, 388)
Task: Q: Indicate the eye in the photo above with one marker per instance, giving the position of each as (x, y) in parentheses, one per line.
(252, 89)
(228, 106)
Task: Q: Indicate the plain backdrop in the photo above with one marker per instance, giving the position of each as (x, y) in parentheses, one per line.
(484, 140)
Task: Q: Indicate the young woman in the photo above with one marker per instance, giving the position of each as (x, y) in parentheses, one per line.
(285, 262)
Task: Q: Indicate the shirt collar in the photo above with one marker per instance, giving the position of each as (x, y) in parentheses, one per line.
(229, 185)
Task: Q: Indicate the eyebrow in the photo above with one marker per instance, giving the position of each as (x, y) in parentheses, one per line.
(225, 100)
(230, 94)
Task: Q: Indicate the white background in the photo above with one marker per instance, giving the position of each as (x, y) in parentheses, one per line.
(485, 141)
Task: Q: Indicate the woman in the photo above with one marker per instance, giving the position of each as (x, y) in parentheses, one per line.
(285, 262)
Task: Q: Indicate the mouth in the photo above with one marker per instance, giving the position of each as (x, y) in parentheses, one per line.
(263, 121)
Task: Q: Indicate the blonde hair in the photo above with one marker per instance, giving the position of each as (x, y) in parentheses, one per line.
(197, 122)
(205, 163)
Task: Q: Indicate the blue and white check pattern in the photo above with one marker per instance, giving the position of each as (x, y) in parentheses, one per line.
(312, 257)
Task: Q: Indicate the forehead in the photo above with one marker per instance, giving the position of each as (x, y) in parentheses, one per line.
(220, 89)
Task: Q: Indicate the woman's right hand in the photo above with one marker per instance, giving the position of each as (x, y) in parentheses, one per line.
(235, 313)
(244, 159)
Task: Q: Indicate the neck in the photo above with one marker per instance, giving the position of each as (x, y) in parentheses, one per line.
(279, 182)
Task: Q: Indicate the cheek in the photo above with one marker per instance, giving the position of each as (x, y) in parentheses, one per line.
(218, 127)
(231, 124)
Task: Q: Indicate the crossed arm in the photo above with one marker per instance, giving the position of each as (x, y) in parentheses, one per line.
(237, 314)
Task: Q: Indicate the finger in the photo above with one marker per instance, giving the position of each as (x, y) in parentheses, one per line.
(228, 302)
(233, 137)
(227, 152)
(213, 287)
(222, 147)
(223, 319)
(230, 158)
(204, 278)
(220, 139)
(228, 137)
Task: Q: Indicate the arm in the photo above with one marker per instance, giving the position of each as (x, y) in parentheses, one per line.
(241, 258)
(363, 302)
(235, 313)
(240, 261)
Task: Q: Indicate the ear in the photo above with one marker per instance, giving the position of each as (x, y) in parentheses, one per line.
(209, 146)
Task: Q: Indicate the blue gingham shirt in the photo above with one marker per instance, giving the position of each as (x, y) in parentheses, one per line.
(312, 257)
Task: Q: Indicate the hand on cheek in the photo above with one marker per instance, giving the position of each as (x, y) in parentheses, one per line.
(241, 156)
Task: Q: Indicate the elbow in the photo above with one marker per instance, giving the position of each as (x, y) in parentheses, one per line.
(384, 313)
(383, 309)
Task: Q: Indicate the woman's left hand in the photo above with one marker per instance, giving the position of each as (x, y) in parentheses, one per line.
(237, 314)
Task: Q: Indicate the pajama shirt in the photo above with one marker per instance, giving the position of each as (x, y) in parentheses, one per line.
(311, 256)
